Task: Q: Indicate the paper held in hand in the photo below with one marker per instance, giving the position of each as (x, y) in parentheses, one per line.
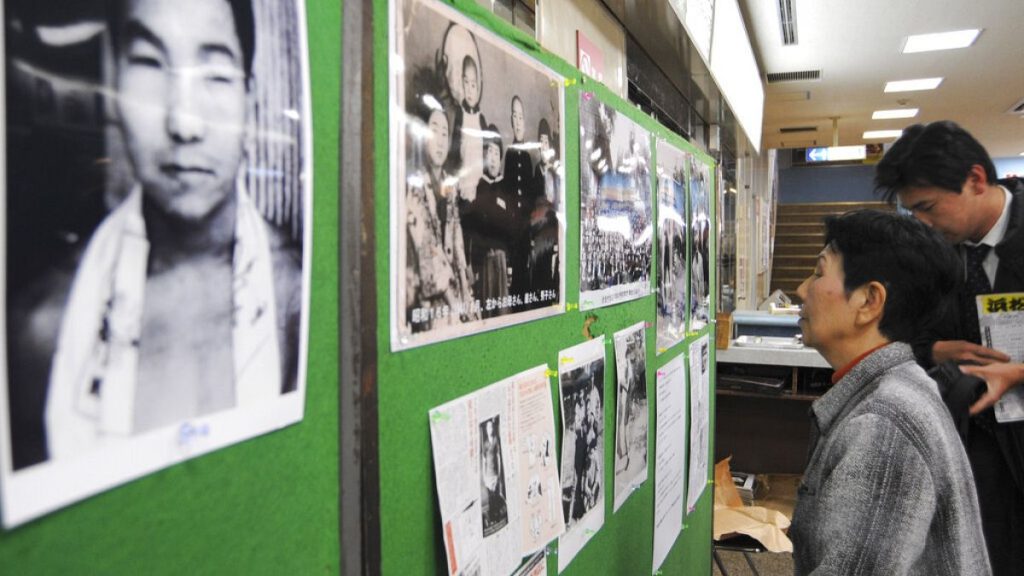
(1001, 320)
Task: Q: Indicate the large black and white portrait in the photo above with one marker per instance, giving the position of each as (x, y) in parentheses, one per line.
(615, 206)
(477, 203)
(157, 240)
(631, 422)
(700, 243)
(672, 279)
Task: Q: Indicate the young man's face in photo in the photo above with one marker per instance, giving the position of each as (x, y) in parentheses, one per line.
(470, 84)
(437, 141)
(518, 120)
(546, 153)
(182, 101)
(492, 160)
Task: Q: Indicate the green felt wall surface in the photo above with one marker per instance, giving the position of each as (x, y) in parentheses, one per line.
(266, 506)
(413, 381)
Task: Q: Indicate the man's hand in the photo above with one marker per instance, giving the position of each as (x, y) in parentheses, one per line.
(999, 378)
(961, 351)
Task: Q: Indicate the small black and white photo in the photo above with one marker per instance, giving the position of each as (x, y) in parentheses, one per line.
(700, 243)
(631, 417)
(583, 443)
(477, 222)
(493, 497)
(157, 241)
(615, 206)
(581, 393)
(673, 287)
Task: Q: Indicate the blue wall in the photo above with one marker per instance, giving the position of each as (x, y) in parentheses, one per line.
(802, 184)
(1009, 166)
(799, 184)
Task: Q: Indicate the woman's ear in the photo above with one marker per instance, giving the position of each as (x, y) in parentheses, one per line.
(874, 296)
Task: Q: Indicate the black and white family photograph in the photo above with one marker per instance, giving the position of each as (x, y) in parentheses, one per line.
(700, 243)
(615, 206)
(583, 442)
(631, 418)
(477, 224)
(157, 240)
(672, 281)
(581, 392)
(493, 497)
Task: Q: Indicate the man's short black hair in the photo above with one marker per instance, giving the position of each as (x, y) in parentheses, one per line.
(938, 154)
(915, 264)
(241, 11)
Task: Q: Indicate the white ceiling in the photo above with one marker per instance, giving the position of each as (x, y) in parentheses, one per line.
(856, 45)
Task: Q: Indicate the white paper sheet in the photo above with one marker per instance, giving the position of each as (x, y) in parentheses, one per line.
(631, 422)
(700, 380)
(670, 454)
(581, 384)
(497, 483)
(1001, 320)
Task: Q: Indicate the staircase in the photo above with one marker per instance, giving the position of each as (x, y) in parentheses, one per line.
(800, 235)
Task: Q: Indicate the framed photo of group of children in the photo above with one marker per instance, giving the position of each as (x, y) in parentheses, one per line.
(477, 233)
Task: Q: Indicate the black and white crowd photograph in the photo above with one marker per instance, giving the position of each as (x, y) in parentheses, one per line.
(615, 206)
(156, 236)
(672, 288)
(631, 417)
(477, 225)
(700, 243)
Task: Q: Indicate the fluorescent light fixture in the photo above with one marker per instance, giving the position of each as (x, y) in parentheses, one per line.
(912, 85)
(882, 134)
(940, 41)
(896, 113)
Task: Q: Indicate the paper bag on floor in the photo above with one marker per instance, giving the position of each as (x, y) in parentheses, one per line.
(732, 517)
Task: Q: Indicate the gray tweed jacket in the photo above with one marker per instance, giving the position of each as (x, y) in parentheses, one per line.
(888, 489)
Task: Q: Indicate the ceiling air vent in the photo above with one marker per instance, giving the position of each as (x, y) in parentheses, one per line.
(801, 76)
(1017, 108)
(787, 22)
(796, 129)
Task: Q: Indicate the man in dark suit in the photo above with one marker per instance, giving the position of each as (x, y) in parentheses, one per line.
(946, 179)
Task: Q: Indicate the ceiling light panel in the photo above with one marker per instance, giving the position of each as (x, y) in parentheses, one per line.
(913, 85)
(882, 134)
(891, 114)
(940, 41)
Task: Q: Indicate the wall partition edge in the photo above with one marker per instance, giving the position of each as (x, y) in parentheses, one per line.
(359, 516)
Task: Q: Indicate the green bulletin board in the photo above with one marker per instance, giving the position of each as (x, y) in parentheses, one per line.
(266, 506)
(411, 382)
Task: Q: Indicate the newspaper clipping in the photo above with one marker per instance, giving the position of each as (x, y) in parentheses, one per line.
(497, 481)
(700, 385)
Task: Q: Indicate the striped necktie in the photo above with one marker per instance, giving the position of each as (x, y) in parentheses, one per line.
(976, 283)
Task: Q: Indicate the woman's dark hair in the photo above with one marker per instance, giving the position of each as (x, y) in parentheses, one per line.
(241, 12)
(938, 154)
(915, 264)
